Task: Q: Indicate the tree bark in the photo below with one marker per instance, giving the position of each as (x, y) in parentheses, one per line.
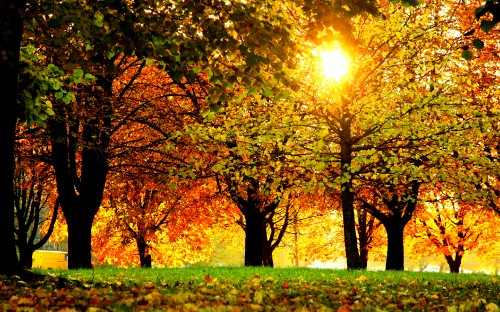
(454, 264)
(267, 258)
(79, 237)
(26, 245)
(363, 238)
(80, 185)
(11, 31)
(395, 244)
(255, 231)
(144, 256)
(400, 211)
(347, 200)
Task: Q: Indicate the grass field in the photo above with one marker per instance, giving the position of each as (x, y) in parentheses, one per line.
(249, 289)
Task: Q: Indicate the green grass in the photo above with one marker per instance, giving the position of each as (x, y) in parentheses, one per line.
(282, 289)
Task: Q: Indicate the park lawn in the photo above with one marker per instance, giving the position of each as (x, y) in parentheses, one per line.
(248, 289)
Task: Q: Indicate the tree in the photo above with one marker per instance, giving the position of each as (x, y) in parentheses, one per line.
(150, 212)
(11, 31)
(454, 228)
(367, 132)
(33, 200)
(183, 44)
(248, 148)
(367, 227)
(399, 202)
(487, 15)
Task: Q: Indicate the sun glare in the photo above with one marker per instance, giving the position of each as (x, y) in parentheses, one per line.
(335, 64)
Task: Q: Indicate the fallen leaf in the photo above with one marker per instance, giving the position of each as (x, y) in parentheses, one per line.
(258, 297)
(25, 301)
(492, 307)
(255, 307)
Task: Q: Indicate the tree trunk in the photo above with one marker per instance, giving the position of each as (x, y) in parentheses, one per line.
(267, 255)
(81, 185)
(454, 264)
(347, 197)
(79, 207)
(255, 232)
(11, 30)
(350, 239)
(144, 255)
(363, 238)
(422, 265)
(26, 257)
(28, 218)
(79, 237)
(395, 247)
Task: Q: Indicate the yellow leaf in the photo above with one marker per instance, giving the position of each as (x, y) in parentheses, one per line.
(25, 301)
(255, 307)
(258, 296)
(362, 278)
(492, 307)
(190, 307)
(452, 309)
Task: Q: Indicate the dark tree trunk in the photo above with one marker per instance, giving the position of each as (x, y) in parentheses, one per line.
(347, 196)
(363, 238)
(400, 211)
(347, 200)
(11, 30)
(267, 255)
(350, 239)
(26, 258)
(81, 185)
(79, 237)
(144, 255)
(454, 264)
(255, 236)
(395, 244)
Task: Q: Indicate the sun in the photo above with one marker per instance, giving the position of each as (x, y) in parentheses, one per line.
(335, 64)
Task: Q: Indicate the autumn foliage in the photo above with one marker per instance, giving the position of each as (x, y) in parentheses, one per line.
(217, 137)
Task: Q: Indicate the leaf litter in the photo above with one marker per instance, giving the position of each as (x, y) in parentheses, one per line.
(48, 292)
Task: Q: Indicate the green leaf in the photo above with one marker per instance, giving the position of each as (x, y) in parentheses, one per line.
(266, 91)
(479, 12)
(177, 76)
(251, 60)
(413, 3)
(98, 19)
(214, 107)
(69, 97)
(486, 26)
(55, 70)
(467, 55)
(478, 44)
(78, 73)
(89, 78)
